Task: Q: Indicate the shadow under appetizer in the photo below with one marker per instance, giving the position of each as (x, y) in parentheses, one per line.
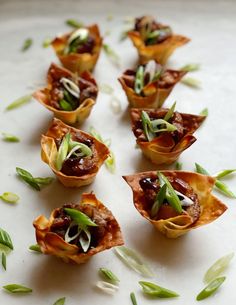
(68, 96)
(154, 40)
(149, 85)
(175, 201)
(163, 134)
(73, 155)
(75, 232)
(79, 50)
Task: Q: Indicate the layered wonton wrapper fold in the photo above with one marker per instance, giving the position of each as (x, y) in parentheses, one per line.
(160, 51)
(211, 207)
(57, 131)
(163, 149)
(73, 117)
(78, 62)
(155, 95)
(51, 243)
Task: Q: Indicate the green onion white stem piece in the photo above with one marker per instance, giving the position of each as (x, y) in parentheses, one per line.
(133, 260)
(115, 104)
(218, 267)
(150, 70)
(4, 260)
(204, 112)
(190, 67)
(7, 137)
(74, 23)
(185, 201)
(70, 86)
(19, 102)
(114, 57)
(35, 248)
(133, 298)
(139, 80)
(27, 44)
(5, 239)
(15, 288)
(85, 241)
(210, 288)
(170, 112)
(191, 82)
(154, 290)
(9, 197)
(107, 287)
(109, 275)
(81, 34)
(60, 301)
(105, 88)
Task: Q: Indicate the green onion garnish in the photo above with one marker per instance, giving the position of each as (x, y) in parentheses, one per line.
(64, 105)
(178, 166)
(133, 260)
(9, 197)
(107, 287)
(191, 82)
(105, 88)
(7, 137)
(80, 218)
(139, 80)
(60, 301)
(154, 290)
(190, 67)
(74, 23)
(133, 298)
(218, 267)
(224, 173)
(4, 260)
(204, 112)
(19, 102)
(109, 275)
(114, 57)
(210, 288)
(15, 288)
(160, 197)
(35, 248)
(27, 44)
(170, 112)
(5, 239)
(171, 195)
(34, 182)
(47, 42)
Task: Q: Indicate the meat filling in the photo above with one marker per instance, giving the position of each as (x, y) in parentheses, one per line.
(150, 188)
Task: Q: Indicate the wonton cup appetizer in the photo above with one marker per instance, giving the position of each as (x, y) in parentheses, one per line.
(154, 40)
(79, 50)
(163, 134)
(149, 85)
(175, 201)
(68, 96)
(75, 232)
(73, 155)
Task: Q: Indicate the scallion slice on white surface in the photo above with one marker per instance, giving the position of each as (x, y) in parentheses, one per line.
(107, 287)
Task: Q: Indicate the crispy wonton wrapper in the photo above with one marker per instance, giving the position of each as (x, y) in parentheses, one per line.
(79, 62)
(76, 116)
(163, 149)
(49, 153)
(211, 207)
(160, 51)
(154, 95)
(51, 243)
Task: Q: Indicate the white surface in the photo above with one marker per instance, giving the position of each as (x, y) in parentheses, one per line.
(178, 264)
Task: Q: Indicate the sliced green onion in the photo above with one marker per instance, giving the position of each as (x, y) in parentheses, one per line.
(109, 275)
(84, 150)
(70, 86)
(96, 134)
(160, 197)
(9, 197)
(47, 42)
(133, 298)
(19, 102)
(74, 23)
(201, 170)
(224, 173)
(190, 67)
(5, 239)
(107, 287)
(154, 290)
(15, 288)
(85, 242)
(114, 57)
(4, 260)
(27, 44)
(60, 301)
(191, 82)
(218, 267)
(27, 177)
(64, 105)
(204, 112)
(80, 218)
(139, 80)
(170, 112)
(133, 260)
(223, 188)
(210, 288)
(146, 123)
(178, 166)
(44, 181)
(115, 104)
(105, 88)
(35, 248)
(171, 195)
(62, 151)
(124, 35)
(159, 122)
(7, 137)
